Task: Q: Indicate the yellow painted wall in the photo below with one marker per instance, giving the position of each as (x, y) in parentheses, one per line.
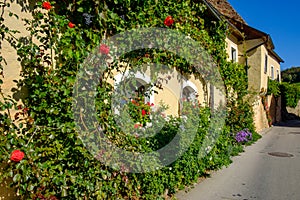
(255, 63)
(257, 78)
(12, 69)
(264, 76)
(170, 93)
(202, 90)
(232, 41)
(260, 117)
(276, 65)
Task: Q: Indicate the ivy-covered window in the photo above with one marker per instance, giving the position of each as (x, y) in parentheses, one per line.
(141, 90)
(189, 93)
(233, 54)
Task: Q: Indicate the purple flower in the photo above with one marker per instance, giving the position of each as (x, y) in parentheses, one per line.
(87, 18)
(243, 136)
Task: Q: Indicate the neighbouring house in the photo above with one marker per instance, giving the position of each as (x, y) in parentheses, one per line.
(254, 49)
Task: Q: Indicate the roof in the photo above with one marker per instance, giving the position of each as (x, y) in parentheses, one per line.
(226, 9)
(239, 25)
(253, 33)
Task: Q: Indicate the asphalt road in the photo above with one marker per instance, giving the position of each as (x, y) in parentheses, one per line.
(255, 174)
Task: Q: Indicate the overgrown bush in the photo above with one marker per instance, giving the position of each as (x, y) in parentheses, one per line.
(290, 93)
(273, 88)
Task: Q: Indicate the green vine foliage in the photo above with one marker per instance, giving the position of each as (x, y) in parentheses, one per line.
(290, 94)
(56, 164)
(273, 88)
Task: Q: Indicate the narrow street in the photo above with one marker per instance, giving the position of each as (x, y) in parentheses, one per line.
(267, 170)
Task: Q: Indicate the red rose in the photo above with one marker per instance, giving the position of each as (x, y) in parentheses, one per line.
(71, 25)
(168, 21)
(25, 110)
(104, 49)
(17, 155)
(136, 125)
(148, 103)
(46, 5)
(53, 198)
(143, 112)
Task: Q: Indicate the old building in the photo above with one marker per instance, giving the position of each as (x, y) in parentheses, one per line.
(254, 49)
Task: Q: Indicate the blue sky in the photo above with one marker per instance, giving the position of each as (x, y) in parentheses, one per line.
(280, 19)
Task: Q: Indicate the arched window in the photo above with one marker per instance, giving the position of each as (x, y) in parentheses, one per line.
(141, 90)
(138, 84)
(189, 91)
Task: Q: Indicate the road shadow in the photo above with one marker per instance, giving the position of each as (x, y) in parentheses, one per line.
(289, 123)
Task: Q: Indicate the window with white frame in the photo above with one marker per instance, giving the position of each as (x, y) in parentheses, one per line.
(278, 75)
(189, 91)
(137, 85)
(189, 94)
(141, 90)
(233, 54)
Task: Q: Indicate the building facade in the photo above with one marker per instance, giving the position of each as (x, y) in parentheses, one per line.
(254, 49)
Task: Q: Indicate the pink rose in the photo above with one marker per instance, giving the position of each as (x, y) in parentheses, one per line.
(104, 49)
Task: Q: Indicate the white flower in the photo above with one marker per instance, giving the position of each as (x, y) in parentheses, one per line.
(167, 118)
(148, 124)
(182, 127)
(207, 149)
(184, 118)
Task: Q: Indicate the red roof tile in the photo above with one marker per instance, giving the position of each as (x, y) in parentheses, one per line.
(226, 9)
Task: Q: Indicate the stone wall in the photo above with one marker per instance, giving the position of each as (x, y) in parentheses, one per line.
(295, 111)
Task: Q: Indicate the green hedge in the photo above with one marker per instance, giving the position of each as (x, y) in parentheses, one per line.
(290, 93)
